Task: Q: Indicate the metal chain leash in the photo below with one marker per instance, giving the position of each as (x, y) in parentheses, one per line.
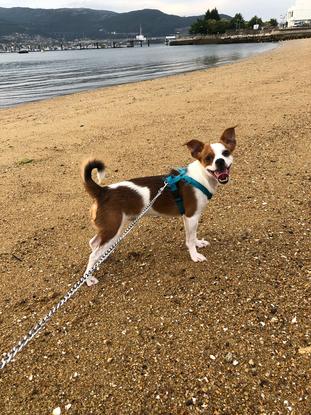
(40, 325)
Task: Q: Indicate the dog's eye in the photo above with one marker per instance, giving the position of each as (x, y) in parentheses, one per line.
(226, 153)
(209, 159)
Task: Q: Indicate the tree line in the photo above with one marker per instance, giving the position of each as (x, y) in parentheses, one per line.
(212, 23)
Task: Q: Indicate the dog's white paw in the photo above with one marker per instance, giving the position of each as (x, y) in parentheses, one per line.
(91, 281)
(196, 257)
(201, 243)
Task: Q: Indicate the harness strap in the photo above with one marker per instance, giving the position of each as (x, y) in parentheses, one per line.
(173, 182)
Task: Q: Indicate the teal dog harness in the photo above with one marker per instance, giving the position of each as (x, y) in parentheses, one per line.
(173, 181)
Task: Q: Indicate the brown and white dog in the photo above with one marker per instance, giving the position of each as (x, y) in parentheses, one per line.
(117, 204)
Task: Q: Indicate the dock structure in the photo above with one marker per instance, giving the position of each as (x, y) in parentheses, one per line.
(273, 36)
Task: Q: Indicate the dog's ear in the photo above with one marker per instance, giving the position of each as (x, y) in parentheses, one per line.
(228, 138)
(195, 146)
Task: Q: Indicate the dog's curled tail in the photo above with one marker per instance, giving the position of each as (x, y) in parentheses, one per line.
(92, 187)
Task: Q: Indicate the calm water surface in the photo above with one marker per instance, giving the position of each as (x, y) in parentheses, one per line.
(35, 76)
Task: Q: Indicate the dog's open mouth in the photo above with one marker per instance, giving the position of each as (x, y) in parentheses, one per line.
(222, 175)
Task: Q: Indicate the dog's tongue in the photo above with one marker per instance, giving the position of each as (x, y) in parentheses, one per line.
(222, 176)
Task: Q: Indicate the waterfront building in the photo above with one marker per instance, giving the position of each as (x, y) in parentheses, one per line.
(298, 17)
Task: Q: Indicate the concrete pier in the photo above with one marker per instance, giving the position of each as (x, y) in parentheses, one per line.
(274, 36)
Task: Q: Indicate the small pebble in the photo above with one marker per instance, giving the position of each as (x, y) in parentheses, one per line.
(57, 411)
(229, 357)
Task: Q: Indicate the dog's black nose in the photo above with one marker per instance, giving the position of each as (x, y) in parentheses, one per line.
(220, 164)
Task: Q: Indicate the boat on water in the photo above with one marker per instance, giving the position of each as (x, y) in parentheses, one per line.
(23, 51)
(141, 37)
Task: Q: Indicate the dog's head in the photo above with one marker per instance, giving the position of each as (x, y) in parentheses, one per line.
(216, 159)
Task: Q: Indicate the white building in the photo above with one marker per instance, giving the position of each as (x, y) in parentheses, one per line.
(297, 17)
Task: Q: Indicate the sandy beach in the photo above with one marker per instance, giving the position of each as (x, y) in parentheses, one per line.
(160, 334)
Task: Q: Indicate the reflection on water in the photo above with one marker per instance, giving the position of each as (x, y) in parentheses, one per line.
(36, 76)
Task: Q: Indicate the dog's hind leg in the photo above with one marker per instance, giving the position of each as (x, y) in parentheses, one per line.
(201, 243)
(94, 242)
(112, 229)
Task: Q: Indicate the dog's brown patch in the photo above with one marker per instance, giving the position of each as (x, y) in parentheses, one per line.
(93, 211)
(202, 152)
(207, 155)
(190, 201)
(110, 207)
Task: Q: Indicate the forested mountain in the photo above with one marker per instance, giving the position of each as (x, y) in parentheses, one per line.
(77, 23)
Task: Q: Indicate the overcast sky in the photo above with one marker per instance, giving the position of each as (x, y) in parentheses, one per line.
(262, 8)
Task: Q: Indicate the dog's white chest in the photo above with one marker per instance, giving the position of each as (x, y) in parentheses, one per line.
(201, 200)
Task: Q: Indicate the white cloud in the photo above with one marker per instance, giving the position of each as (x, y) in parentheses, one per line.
(263, 8)
(302, 4)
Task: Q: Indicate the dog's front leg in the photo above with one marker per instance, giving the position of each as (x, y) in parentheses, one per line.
(191, 225)
(199, 243)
